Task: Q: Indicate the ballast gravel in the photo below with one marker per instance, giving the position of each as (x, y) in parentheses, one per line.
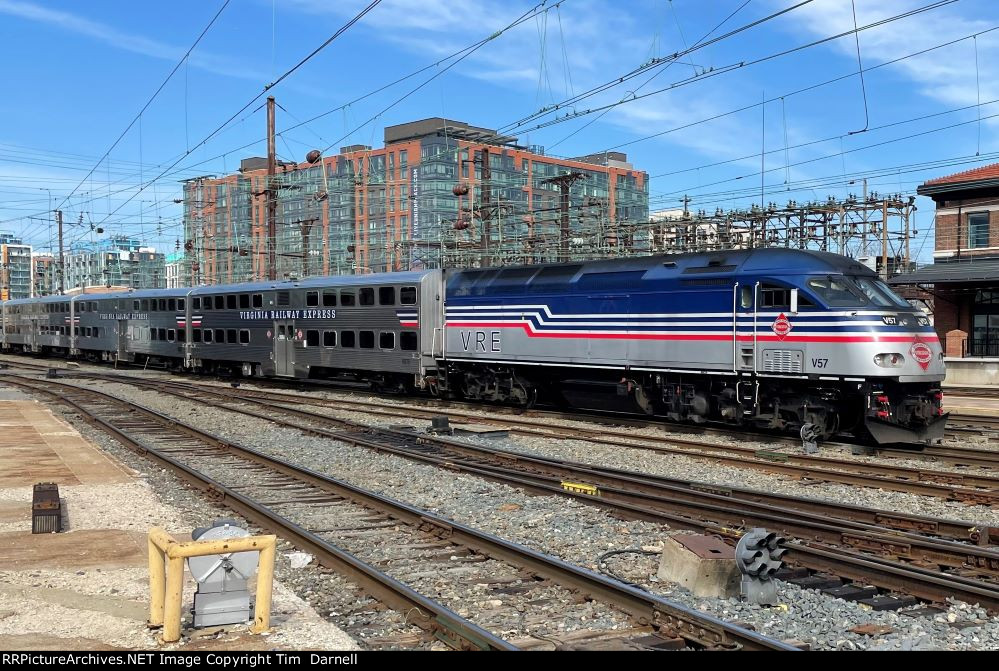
(581, 534)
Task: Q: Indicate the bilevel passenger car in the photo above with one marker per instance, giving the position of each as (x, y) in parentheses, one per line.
(775, 338)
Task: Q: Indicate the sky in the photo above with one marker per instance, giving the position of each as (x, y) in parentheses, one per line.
(77, 75)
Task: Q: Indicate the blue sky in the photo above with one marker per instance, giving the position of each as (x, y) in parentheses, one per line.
(77, 73)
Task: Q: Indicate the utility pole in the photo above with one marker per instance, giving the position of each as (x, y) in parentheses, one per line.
(484, 206)
(271, 194)
(564, 183)
(62, 260)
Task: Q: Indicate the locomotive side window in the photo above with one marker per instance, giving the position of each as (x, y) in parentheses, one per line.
(367, 296)
(386, 295)
(329, 300)
(244, 336)
(329, 338)
(312, 338)
(746, 297)
(258, 300)
(347, 338)
(386, 340)
(407, 296)
(244, 301)
(311, 299)
(230, 302)
(773, 296)
(347, 299)
(367, 339)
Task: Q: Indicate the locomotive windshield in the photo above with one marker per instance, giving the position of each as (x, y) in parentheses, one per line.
(855, 292)
(879, 293)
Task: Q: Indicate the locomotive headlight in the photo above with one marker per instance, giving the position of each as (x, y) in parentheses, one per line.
(889, 360)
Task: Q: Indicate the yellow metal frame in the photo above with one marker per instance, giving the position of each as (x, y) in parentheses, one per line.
(166, 576)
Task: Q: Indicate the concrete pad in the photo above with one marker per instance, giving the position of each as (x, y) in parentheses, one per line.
(36, 446)
(119, 607)
(704, 565)
(39, 641)
(76, 550)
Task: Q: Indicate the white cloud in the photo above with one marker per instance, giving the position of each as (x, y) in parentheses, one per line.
(129, 42)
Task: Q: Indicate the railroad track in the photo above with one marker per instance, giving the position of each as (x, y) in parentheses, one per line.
(929, 558)
(312, 510)
(960, 427)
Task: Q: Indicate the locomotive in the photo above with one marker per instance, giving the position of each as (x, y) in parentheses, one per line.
(769, 338)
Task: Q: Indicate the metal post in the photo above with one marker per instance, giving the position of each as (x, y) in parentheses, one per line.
(271, 194)
(884, 238)
(484, 207)
(62, 260)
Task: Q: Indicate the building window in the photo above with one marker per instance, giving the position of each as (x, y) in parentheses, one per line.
(978, 230)
(403, 158)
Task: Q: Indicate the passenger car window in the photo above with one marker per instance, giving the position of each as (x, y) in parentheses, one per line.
(386, 295)
(230, 302)
(329, 299)
(244, 336)
(244, 301)
(258, 300)
(312, 338)
(347, 298)
(311, 299)
(407, 296)
(367, 296)
(386, 340)
(347, 338)
(329, 338)
(407, 341)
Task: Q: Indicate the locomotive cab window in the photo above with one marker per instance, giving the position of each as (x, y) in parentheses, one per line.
(407, 296)
(386, 295)
(311, 299)
(836, 291)
(367, 296)
(746, 297)
(774, 296)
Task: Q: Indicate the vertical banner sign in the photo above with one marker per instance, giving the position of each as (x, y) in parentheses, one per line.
(414, 212)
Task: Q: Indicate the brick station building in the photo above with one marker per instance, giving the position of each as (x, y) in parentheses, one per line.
(963, 281)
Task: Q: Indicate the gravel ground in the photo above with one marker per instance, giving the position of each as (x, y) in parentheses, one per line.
(580, 534)
(333, 597)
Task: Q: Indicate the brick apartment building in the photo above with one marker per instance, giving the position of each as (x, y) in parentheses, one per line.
(369, 210)
(963, 279)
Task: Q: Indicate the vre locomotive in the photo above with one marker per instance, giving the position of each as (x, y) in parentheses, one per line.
(775, 338)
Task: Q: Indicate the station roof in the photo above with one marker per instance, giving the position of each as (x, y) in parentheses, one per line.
(952, 272)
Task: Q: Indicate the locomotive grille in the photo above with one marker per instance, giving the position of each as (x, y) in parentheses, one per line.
(782, 360)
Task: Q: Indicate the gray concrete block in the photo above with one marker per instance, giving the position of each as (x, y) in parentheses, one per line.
(702, 564)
